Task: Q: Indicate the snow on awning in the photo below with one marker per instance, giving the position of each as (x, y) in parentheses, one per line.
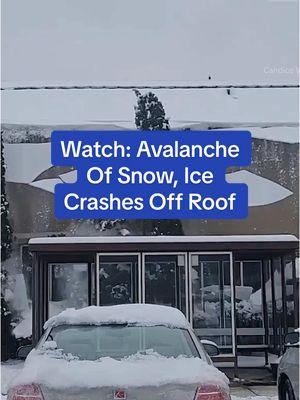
(164, 239)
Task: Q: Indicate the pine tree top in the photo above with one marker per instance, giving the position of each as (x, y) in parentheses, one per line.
(149, 113)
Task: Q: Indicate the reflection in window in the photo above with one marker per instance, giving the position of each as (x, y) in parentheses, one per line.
(289, 291)
(279, 318)
(68, 286)
(269, 300)
(211, 297)
(297, 291)
(277, 283)
(165, 280)
(26, 258)
(249, 309)
(118, 279)
(226, 289)
(206, 295)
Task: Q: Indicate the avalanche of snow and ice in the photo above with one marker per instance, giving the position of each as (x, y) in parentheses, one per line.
(19, 301)
(150, 369)
(24, 328)
(135, 314)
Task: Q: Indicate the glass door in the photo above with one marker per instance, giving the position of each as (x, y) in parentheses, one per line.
(290, 280)
(68, 286)
(278, 304)
(117, 278)
(249, 303)
(269, 303)
(212, 294)
(165, 280)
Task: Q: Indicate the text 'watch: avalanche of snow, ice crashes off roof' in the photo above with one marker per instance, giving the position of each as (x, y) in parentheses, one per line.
(115, 179)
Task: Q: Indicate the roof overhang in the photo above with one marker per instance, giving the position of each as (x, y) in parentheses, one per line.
(164, 243)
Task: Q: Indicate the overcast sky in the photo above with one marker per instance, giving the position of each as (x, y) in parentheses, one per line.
(137, 41)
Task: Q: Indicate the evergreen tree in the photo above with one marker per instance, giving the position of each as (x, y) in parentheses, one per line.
(149, 113)
(7, 339)
(150, 116)
(6, 231)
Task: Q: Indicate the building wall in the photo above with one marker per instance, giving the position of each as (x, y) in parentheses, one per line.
(272, 178)
(279, 163)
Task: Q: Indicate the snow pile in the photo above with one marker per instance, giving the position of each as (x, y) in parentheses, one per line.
(138, 370)
(9, 370)
(254, 398)
(132, 314)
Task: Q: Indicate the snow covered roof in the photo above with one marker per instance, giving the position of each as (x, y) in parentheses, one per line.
(133, 314)
(200, 109)
(165, 239)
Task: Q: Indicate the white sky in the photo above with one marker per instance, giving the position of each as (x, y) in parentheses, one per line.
(138, 41)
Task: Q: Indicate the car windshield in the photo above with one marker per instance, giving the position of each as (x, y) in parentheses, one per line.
(119, 341)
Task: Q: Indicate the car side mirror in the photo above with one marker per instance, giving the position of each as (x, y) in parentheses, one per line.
(23, 351)
(291, 339)
(210, 347)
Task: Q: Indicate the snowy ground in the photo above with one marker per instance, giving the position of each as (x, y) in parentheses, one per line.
(11, 368)
(8, 371)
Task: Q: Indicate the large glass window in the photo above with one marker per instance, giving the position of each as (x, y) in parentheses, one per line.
(165, 280)
(249, 307)
(68, 286)
(277, 283)
(26, 258)
(279, 318)
(296, 291)
(118, 279)
(269, 301)
(289, 293)
(211, 297)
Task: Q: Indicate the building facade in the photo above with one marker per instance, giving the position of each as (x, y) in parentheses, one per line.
(235, 280)
(239, 291)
